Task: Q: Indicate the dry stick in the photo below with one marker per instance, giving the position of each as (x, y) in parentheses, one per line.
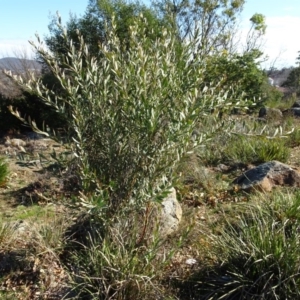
(142, 237)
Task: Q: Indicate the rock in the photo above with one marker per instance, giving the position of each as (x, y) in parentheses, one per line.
(294, 111)
(171, 214)
(14, 142)
(296, 103)
(222, 168)
(270, 113)
(265, 176)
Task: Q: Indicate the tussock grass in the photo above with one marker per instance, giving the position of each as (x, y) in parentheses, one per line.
(254, 255)
(3, 171)
(126, 260)
(293, 139)
(246, 150)
(30, 254)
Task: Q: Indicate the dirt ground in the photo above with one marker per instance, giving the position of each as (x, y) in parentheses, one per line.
(31, 203)
(27, 173)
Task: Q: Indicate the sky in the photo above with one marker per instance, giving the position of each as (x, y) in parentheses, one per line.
(20, 20)
(281, 42)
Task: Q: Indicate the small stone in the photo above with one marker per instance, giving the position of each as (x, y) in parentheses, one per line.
(191, 261)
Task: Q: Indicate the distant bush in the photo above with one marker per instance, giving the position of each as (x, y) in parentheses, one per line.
(29, 105)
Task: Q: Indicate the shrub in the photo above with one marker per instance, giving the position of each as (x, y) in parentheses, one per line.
(133, 111)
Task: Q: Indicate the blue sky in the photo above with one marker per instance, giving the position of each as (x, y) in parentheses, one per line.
(281, 42)
(21, 19)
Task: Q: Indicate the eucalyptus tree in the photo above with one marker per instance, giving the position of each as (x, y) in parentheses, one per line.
(214, 20)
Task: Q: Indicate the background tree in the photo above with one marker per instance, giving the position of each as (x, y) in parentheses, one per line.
(239, 71)
(293, 80)
(215, 21)
(96, 18)
(255, 33)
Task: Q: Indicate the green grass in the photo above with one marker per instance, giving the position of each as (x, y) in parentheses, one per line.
(35, 213)
(257, 150)
(293, 139)
(246, 150)
(255, 255)
(3, 171)
(124, 260)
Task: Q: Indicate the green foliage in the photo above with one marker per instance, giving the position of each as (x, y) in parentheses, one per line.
(256, 150)
(3, 170)
(258, 21)
(294, 139)
(293, 80)
(273, 98)
(132, 112)
(257, 255)
(97, 17)
(215, 21)
(246, 150)
(241, 71)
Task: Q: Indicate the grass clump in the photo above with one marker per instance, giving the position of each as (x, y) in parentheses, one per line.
(126, 260)
(3, 171)
(29, 259)
(256, 150)
(246, 150)
(294, 139)
(256, 255)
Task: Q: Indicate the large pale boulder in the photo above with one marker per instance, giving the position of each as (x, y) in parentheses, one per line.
(265, 176)
(171, 214)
